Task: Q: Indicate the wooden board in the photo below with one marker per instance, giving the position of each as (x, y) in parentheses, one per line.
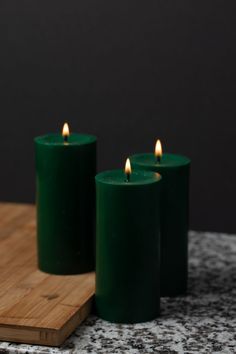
(35, 307)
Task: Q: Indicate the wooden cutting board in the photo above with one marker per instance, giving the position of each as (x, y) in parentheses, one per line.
(35, 307)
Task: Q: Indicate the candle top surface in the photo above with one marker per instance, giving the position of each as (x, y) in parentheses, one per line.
(58, 139)
(167, 160)
(119, 177)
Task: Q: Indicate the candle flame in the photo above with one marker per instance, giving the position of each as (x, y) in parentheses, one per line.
(65, 130)
(128, 167)
(158, 149)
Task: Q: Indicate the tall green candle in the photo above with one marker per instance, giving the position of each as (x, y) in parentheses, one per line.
(127, 246)
(174, 170)
(65, 171)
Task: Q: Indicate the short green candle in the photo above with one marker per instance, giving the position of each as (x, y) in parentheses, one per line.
(65, 171)
(174, 170)
(127, 246)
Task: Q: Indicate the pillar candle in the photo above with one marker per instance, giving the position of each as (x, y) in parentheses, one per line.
(127, 246)
(174, 170)
(65, 171)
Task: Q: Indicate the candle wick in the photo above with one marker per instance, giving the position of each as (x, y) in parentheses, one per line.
(65, 138)
(127, 177)
(158, 159)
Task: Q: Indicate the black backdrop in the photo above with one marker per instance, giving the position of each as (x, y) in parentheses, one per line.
(129, 72)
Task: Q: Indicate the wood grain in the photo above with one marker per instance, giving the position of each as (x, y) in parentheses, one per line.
(35, 307)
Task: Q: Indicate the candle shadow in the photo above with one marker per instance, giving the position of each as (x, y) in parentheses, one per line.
(213, 281)
(211, 293)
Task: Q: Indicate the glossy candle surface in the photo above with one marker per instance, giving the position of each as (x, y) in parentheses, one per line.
(65, 174)
(127, 246)
(174, 170)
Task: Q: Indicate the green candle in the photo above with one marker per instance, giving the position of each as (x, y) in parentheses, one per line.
(65, 171)
(127, 246)
(174, 170)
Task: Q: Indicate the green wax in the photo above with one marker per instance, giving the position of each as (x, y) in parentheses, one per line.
(174, 170)
(65, 203)
(127, 246)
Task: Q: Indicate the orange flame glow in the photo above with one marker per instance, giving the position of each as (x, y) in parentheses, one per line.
(128, 167)
(158, 149)
(65, 130)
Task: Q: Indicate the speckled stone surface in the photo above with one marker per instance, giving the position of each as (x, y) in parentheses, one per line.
(202, 322)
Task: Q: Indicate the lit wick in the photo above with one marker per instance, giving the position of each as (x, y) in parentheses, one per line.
(65, 132)
(158, 151)
(127, 170)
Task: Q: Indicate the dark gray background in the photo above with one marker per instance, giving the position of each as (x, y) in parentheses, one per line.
(129, 72)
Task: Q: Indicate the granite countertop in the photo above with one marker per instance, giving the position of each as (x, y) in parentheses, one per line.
(202, 322)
